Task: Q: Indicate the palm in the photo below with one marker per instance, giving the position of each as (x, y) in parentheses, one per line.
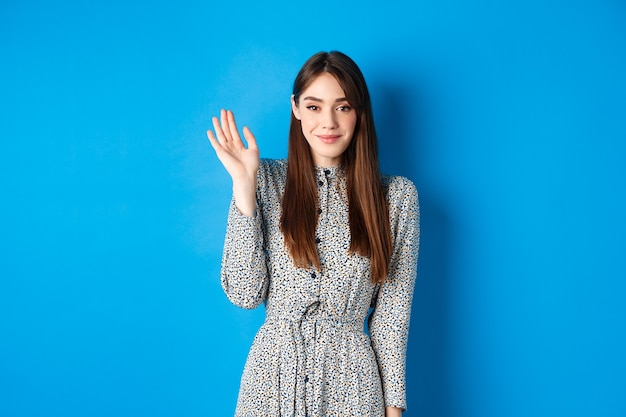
(240, 161)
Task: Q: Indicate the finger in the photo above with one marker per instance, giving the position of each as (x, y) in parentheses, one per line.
(225, 126)
(220, 150)
(212, 139)
(219, 133)
(234, 133)
(223, 154)
(250, 139)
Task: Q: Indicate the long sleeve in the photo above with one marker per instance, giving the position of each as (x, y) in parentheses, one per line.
(244, 268)
(389, 323)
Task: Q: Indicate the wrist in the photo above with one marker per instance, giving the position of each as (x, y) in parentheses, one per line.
(244, 193)
(393, 412)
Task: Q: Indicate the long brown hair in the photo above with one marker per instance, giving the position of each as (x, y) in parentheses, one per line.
(368, 210)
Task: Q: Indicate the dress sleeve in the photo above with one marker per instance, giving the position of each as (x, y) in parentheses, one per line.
(244, 269)
(389, 322)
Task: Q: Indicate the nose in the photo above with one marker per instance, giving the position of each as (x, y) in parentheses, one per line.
(329, 120)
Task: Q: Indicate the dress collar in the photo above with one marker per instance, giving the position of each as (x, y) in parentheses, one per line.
(329, 172)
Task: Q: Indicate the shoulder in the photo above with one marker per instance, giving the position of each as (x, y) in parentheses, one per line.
(399, 188)
(268, 163)
(404, 210)
(272, 173)
(273, 166)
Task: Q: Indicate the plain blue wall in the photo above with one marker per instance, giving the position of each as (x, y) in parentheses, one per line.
(509, 116)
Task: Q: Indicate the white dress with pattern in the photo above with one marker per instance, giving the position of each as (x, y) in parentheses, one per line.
(312, 357)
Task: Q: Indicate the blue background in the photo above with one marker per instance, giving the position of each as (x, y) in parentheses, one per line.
(510, 117)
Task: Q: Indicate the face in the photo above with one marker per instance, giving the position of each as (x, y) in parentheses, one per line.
(327, 119)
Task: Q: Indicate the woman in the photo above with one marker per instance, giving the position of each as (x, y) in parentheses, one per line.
(319, 239)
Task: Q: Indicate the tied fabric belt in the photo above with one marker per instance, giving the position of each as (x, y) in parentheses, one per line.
(302, 349)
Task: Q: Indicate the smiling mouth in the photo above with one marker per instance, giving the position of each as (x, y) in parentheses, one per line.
(329, 138)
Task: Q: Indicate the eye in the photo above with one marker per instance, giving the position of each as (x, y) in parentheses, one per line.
(344, 108)
(312, 107)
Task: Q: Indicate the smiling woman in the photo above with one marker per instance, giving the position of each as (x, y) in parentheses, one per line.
(327, 119)
(320, 239)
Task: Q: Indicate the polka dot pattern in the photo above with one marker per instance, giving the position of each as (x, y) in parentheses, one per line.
(312, 356)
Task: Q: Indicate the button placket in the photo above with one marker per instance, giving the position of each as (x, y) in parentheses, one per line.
(322, 209)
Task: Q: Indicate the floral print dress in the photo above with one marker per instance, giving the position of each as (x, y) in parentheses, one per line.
(312, 356)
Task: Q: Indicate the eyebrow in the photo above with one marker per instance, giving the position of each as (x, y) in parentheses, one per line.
(319, 100)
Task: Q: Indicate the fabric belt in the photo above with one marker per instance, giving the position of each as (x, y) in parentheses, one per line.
(313, 325)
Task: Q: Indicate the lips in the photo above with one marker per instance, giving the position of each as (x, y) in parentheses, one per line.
(329, 139)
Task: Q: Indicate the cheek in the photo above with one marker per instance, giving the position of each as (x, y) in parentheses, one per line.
(305, 128)
(307, 123)
(351, 123)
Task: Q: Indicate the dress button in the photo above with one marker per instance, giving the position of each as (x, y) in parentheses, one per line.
(321, 183)
(313, 274)
(306, 378)
(327, 171)
(318, 240)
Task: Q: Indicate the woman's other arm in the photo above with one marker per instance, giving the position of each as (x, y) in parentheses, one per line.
(389, 322)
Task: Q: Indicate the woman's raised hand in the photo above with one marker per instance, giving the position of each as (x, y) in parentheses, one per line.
(241, 163)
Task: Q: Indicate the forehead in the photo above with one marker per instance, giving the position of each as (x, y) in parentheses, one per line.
(324, 86)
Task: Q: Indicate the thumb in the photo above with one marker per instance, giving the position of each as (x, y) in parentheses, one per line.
(250, 139)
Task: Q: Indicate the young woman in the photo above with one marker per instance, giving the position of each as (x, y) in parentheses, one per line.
(320, 239)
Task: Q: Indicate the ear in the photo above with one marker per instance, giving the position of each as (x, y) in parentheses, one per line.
(294, 108)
